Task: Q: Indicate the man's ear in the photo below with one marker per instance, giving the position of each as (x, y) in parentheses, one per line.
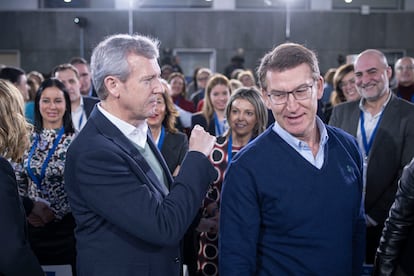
(320, 82)
(266, 99)
(112, 85)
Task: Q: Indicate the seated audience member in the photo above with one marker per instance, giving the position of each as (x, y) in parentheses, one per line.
(40, 177)
(213, 116)
(396, 249)
(178, 90)
(172, 143)
(247, 118)
(17, 257)
(404, 75)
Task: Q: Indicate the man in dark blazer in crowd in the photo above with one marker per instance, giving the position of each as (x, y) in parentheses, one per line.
(130, 213)
(81, 106)
(384, 127)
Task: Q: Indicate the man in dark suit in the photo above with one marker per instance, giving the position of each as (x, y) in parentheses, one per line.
(384, 127)
(81, 105)
(130, 213)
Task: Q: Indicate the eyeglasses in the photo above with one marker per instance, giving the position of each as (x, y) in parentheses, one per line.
(343, 84)
(301, 93)
(402, 68)
(202, 78)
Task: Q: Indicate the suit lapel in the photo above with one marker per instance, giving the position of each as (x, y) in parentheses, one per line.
(387, 123)
(144, 171)
(353, 121)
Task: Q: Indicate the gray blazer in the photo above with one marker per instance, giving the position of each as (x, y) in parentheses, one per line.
(392, 149)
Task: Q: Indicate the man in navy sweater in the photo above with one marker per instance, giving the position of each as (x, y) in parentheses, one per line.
(292, 198)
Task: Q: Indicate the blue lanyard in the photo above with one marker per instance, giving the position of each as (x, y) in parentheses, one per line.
(367, 145)
(36, 178)
(161, 139)
(229, 150)
(219, 129)
(80, 121)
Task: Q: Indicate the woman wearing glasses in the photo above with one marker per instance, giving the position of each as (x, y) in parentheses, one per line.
(344, 88)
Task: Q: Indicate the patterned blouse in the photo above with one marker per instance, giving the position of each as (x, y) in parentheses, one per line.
(207, 263)
(53, 182)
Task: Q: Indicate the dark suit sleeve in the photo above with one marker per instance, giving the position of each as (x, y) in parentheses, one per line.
(111, 185)
(16, 258)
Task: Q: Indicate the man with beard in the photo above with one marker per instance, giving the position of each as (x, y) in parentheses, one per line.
(384, 127)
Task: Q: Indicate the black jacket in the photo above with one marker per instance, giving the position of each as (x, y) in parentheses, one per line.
(397, 241)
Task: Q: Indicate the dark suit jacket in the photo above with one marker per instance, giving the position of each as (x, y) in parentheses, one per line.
(126, 225)
(16, 257)
(174, 149)
(199, 119)
(392, 149)
(89, 104)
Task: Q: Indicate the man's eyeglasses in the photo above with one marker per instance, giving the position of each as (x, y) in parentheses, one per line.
(301, 93)
(402, 68)
(343, 84)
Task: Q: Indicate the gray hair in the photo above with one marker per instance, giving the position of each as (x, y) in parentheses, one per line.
(287, 56)
(109, 58)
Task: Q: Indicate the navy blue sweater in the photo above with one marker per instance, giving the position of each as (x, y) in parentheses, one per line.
(280, 215)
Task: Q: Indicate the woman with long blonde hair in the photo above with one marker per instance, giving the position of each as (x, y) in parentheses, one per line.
(18, 258)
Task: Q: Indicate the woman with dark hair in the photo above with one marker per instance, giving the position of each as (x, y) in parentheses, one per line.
(344, 89)
(344, 85)
(40, 177)
(178, 92)
(17, 258)
(172, 143)
(247, 118)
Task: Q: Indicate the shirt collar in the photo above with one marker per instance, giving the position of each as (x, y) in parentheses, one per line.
(137, 135)
(295, 142)
(362, 102)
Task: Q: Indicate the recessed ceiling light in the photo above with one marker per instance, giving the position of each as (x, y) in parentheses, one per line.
(67, 1)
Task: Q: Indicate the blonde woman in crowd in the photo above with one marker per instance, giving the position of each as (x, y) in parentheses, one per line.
(17, 258)
(212, 117)
(247, 118)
